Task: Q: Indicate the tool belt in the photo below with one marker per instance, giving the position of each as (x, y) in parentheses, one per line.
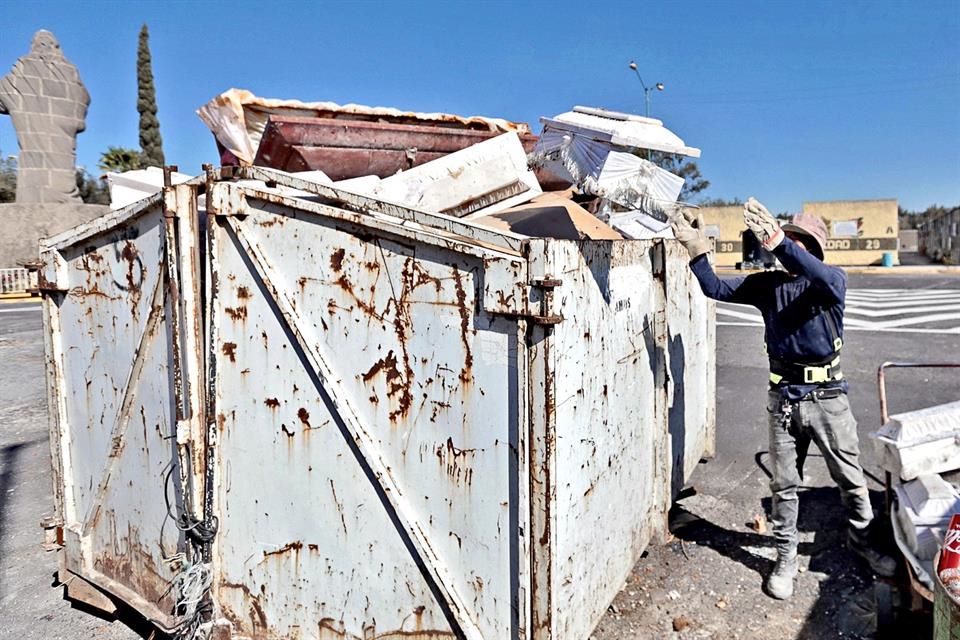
(792, 373)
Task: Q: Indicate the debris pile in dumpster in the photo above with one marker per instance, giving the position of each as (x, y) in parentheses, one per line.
(485, 169)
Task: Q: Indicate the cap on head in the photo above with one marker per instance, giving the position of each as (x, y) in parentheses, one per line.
(810, 226)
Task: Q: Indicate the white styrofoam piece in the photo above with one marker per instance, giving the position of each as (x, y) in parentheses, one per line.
(135, 185)
(620, 177)
(930, 497)
(569, 156)
(916, 427)
(465, 176)
(631, 182)
(361, 185)
(921, 442)
(620, 130)
(637, 225)
(925, 507)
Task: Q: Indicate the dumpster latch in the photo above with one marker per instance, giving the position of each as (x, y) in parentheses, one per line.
(546, 316)
(44, 285)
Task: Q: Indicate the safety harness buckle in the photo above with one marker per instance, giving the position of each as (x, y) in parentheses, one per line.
(813, 375)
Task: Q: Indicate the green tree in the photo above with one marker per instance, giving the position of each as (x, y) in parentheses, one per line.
(693, 181)
(120, 159)
(92, 191)
(721, 202)
(151, 145)
(8, 178)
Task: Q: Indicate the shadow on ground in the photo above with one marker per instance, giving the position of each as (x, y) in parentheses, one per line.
(846, 598)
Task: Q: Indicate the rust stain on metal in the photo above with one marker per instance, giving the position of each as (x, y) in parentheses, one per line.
(398, 388)
(132, 258)
(243, 293)
(286, 431)
(344, 283)
(230, 350)
(258, 619)
(273, 403)
(304, 416)
(287, 548)
(129, 563)
(336, 260)
(466, 375)
(336, 501)
(236, 313)
(330, 629)
(455, 461)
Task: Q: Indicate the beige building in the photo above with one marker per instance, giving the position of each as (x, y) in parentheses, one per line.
(859, 231)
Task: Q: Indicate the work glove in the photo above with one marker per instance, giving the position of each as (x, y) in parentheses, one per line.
(763, 225)
(689, 231)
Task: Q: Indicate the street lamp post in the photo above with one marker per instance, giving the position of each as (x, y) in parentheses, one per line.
(646, 90)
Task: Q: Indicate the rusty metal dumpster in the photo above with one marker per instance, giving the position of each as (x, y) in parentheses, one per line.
(416, 426)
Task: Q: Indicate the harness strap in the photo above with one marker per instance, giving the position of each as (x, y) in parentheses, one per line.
(805, 374)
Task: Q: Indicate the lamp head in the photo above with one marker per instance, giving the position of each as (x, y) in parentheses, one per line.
(633, 65)
(660, 86)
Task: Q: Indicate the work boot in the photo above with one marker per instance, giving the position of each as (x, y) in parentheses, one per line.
(780, 581)
(863, 542)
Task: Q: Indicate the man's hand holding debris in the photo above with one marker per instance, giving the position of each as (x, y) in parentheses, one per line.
(689, 231)
(763, 225)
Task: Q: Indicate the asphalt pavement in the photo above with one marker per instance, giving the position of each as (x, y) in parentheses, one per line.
(708, 579)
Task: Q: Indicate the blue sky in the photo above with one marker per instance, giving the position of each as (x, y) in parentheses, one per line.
(789, 101)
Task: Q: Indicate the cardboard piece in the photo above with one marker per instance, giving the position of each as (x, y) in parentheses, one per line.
(550, 216)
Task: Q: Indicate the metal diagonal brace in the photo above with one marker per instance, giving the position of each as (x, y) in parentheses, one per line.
(122, 419)
(347, 416)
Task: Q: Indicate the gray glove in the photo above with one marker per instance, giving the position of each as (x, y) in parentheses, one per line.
(763, 225)
(688, 230)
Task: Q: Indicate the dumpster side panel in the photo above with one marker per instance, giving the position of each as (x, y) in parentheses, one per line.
(109, 351)
(691, 367)
(609, 432)
(310, 542)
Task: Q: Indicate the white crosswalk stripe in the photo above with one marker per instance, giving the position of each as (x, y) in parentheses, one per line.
(900, 310)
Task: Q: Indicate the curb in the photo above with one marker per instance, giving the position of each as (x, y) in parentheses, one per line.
(21, 296)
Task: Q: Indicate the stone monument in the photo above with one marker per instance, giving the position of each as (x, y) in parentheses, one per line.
(48, 104)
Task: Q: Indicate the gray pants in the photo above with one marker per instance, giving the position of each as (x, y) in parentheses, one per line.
(830, 424)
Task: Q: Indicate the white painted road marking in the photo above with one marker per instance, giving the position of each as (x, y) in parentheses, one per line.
(892, 310)
(20, 309)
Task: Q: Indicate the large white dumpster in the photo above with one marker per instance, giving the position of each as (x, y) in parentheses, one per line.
(417, 427)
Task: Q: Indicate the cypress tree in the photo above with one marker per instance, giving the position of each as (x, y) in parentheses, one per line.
(151, 144)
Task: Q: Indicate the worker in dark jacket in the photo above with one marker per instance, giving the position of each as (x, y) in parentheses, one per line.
(807, 398)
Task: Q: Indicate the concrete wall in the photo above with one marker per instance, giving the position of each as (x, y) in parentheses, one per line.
(909, 240)
(859, 231)
(23, 225)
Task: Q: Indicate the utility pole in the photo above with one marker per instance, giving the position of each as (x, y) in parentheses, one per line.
(646, 90)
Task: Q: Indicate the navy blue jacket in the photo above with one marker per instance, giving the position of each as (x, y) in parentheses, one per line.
(801, 309)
